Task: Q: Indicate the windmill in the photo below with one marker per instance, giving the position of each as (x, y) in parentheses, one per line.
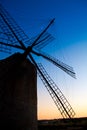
(12, 36)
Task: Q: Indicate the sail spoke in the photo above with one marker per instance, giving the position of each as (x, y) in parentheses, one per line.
(42, 33)
(45, 39)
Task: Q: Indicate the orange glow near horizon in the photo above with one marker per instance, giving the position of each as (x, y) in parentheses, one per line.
(56, 115)
(48, 114)
(48, 110)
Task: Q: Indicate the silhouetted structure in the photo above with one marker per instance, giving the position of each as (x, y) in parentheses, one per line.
(18, 94)
(13, 36)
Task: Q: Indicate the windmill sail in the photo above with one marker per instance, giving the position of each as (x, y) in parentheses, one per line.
(59, 99)
(68, 69)
(10, 27)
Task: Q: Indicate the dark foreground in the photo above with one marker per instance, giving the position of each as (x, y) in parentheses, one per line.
(63, 124)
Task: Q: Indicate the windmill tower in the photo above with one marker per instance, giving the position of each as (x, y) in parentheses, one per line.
(20, 65)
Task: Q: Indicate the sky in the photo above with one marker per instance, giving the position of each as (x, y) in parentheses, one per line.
(69, 46)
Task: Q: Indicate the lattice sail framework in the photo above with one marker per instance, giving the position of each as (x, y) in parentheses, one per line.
(66, 68)
(58, 97)
(11, 32)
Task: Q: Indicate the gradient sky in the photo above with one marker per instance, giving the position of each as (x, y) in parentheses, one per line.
(70, 46)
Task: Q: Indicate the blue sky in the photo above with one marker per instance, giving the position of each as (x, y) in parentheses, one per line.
(70, 46)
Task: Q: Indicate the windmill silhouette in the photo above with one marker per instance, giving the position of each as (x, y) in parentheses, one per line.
(12, 36)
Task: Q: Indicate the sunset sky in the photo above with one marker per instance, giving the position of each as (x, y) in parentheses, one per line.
(69, 46)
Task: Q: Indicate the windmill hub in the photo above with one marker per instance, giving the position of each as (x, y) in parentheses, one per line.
(27, 51)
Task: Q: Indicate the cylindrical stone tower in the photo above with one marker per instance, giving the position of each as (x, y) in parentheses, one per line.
(18, 94)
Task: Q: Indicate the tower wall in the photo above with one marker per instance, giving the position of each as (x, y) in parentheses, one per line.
(18, 97)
